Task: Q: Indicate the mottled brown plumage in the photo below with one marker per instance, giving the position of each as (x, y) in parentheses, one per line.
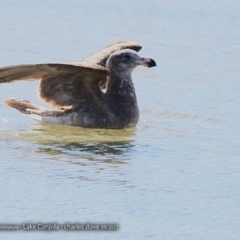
(96, 93)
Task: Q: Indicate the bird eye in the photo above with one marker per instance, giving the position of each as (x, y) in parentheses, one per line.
(126, 56)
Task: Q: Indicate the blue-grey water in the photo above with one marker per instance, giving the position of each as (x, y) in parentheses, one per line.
(177, 174)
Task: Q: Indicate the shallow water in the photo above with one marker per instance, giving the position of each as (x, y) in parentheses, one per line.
(174, 176)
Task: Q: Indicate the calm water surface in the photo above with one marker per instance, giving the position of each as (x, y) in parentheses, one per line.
(176, 175)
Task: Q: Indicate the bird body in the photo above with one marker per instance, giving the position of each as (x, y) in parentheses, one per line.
(97, 92)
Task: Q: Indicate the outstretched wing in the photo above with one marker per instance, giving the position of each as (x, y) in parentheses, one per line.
(74, 85)
(63, 85)
(101, 56)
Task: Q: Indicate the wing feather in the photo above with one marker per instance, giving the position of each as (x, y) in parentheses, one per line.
(75, 85)
(101, 56)
(62, 85)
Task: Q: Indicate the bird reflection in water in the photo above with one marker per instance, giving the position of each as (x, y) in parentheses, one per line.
(110, 146)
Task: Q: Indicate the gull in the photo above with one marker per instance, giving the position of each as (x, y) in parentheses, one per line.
(97, 92)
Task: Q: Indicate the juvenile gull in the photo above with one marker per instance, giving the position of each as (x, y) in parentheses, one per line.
(97, 92)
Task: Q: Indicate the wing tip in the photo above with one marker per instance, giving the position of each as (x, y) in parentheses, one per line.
(127, 44)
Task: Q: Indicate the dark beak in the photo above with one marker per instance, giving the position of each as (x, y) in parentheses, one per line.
(151, 63)
(148, 62)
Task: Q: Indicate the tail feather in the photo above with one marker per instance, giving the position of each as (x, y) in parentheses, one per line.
(23, 106)
(31, 110)
(40, 113)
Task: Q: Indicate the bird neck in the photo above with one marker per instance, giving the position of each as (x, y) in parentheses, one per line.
(121, 98)
(120, 86)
